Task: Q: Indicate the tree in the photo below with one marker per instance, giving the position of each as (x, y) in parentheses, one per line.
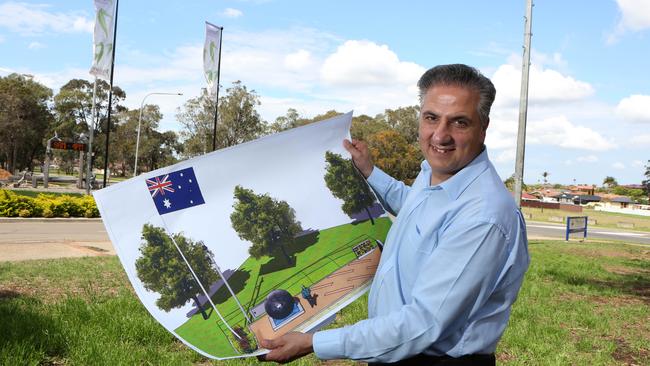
(73, 114)
(268, 223)
(238, 120)
(24, 118)
(346, 184)
(364, 126)
(404, 120)
(291, 120)
(646, 182)
(609, 182)
(156, 148)
(510, 183)
(162, 270)
(545, 177)
(393, 154)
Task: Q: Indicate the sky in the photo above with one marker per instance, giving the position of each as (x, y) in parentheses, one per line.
(588, 115)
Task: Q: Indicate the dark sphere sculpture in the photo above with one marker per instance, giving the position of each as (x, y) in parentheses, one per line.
(279, 304)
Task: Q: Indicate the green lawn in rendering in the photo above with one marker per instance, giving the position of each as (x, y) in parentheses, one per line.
(315, 256)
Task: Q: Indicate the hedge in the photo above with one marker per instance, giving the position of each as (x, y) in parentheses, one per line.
(46, 205)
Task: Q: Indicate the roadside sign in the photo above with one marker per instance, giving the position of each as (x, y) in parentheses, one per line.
(62, 145)
(576, 224)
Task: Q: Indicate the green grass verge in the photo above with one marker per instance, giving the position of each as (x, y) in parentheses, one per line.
(315, 257)
(581, 304)
(603, 218)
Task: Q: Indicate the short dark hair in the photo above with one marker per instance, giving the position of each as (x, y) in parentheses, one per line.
(463, 76)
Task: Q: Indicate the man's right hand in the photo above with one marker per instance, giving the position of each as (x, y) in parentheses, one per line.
(360, 155)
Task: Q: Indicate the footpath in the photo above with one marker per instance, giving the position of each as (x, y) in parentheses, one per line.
(23, 239)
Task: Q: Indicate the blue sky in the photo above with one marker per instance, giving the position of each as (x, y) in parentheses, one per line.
(589, 111)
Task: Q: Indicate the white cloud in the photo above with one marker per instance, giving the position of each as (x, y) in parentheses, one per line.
(545, 86)
(635, 108)
(634, 17)
(559, 131)
(637, 164)
(506, 156)
(36, 45)
(298, 60)
(365, 63)
(587, 159)
(618, 165)
(34, 19)
(232, 13)
(640, 140)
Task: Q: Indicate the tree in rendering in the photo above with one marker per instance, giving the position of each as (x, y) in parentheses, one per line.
(346, 183)
(161, 268)
(268, 223)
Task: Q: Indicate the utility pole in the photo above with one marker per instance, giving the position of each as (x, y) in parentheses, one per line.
(523, 104)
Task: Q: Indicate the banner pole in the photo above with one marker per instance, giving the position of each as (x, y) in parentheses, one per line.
(216, 108)
(110, 95)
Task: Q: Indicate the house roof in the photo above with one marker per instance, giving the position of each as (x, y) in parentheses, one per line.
(589, 197)
(622, 199)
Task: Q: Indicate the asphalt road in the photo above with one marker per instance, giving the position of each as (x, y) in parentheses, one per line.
(22, 239)
(558, 231)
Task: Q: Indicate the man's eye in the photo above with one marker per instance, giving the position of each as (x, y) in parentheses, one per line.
(461, 123)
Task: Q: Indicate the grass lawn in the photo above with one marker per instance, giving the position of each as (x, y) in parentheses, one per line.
(315, 257)
(581, 304)
(603, 218)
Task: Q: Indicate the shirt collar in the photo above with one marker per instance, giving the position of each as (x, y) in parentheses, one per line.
(457, 183)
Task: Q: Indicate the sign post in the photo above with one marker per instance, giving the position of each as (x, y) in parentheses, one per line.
(576, 224)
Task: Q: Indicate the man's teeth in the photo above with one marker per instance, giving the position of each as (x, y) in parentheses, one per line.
(442, 151)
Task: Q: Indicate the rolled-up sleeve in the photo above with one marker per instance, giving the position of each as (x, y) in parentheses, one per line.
(455, 280)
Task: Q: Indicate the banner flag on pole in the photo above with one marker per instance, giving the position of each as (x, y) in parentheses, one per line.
(103, 38)
(211, 55)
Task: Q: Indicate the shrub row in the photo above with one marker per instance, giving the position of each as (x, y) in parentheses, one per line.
(46, 205)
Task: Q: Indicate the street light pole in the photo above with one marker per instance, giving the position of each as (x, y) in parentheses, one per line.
(137, 142)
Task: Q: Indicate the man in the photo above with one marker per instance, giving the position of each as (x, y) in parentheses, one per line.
(456, 255)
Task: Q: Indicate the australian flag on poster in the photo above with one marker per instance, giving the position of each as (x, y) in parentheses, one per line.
(175, 191)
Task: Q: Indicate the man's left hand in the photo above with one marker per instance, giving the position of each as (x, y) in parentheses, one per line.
(288, 347)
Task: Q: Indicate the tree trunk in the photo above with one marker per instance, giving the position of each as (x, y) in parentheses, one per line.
(370, 216)
(198, 305)
(284, 251)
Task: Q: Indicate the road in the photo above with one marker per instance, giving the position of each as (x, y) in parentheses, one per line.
(558, 231)
(55, 238)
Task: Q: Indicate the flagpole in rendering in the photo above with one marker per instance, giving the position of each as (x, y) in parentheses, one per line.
(199, 281)
(110, 96)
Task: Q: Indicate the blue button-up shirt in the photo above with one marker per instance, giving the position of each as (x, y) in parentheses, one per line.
(451, 268)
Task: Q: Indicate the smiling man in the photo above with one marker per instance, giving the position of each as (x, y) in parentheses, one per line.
(456, 255)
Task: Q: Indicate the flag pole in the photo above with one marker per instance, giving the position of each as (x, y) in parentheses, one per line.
(216, 108)
(110, 95)
(197, 280)
(90, 138)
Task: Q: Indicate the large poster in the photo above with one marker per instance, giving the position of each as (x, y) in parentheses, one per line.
(249, 242)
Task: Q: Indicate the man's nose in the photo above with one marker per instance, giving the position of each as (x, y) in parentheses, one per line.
(442, 135)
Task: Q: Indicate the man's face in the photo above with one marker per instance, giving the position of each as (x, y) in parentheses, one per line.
(450, 134)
